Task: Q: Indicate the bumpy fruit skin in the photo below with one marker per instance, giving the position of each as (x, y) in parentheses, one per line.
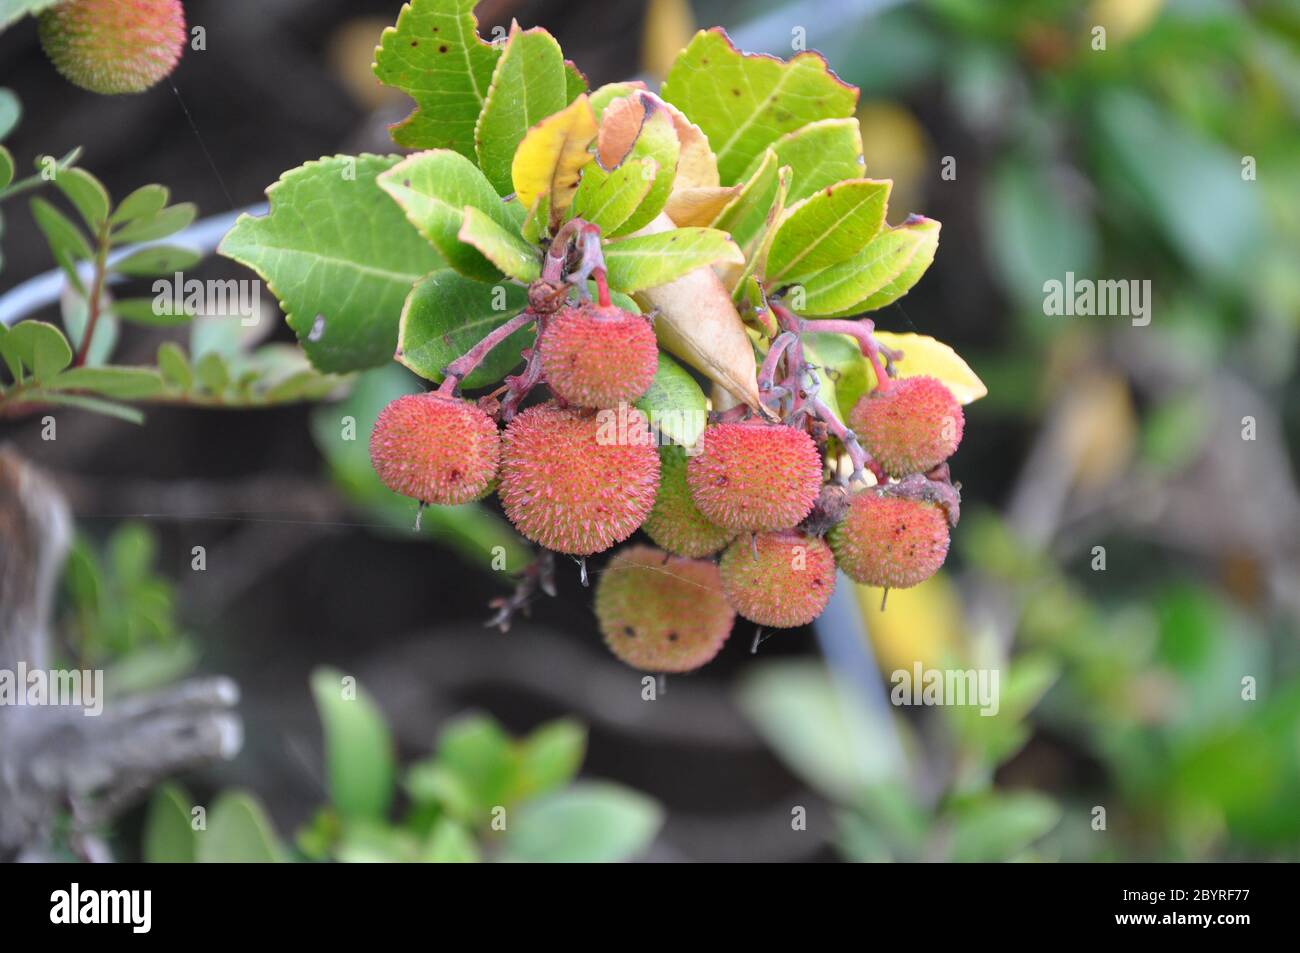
(910, 428)
(566, 485)
(114, 46)
(435, 449)
(891, 542)
(755, 477)
(778, 579)
(598, 357)
(676, 523)
(662, 613)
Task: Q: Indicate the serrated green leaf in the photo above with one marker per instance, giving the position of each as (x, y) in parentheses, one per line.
(156, 260)
(433, 189)
(675, 404)
(158, 225)
(435, 56)
(827, 228)
(644, 261)
(175, 366)
(657, 140)
(819, 154)
(41, 347)
(168, 836)
(501, 246)
(239, 832)
(147, 200)
(124, 383)
(528, 85)
(358, 748)
(446, 314)
(744, 103)
(884, 271)
(87, 194)
(751, 212)
(594, 822)
(339, 256)
(607, 200)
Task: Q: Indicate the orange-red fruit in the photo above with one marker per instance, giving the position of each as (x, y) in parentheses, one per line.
(435, 449)
(662, 613)
(912, 427)
(598, 357)
(114, 46)
(890, 541)
(755, 477)
(778, 579)
(676, 523)
(573, 485)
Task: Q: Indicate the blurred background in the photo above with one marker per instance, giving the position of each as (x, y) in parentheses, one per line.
(1129, 553)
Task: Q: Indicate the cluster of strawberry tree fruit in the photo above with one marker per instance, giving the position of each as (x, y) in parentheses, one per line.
(549, 252)
(779, 491)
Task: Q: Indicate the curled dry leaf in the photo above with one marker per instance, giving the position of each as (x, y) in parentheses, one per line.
(698, 323)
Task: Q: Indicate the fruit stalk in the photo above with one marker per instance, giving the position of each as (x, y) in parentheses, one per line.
(463, 366)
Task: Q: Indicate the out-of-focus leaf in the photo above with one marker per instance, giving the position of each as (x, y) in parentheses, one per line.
(168, 837)
(1000, 826)
(359, 755)
(239, 832)
(587, 823)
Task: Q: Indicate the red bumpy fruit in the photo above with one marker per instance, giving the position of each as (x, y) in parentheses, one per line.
(755, 477)
(596, 356)
(910, 427)
(114, 46)
(778, 579)
(570, 485)
(435, 449)
(662, 613)
(891, 542)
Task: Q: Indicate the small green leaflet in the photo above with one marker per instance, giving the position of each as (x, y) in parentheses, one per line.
(820, 154)
(606, 200)
(434, 55)
(884, 271)
(745, 102)
(826, 228)
(675, 405)
(338, 255)
(501, 246)
(645, 261)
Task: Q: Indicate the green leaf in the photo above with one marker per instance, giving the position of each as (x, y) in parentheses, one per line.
(826, 228)
(756, 251)
(41, 347)
(10, 356)
(550, 757)
(125, 383)
(93, 404)
(148, 311)
(447, 314)
(339, 257)
(483, 759)
(744, 103)
(239, 832)
(528, 85)
(575, 82)
(656, 140)
(87, 194)
(146, 201)
(594, 822)
(158, 225)
(358, 749)
(433, 189)
(819, 154)
(450, 843)
(884, 271)
(168, 837)
(608, 200)
(1000, 826)
(435, 56)
(675, 403)
(156, 260)
(76, 315)
(11, 110)
(755, 209)
(501, 246)
(644, 261)
(6, 168)
(212, 372)
(66, 241)
(175, 366)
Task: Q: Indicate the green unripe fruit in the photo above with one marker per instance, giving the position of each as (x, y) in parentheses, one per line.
(676, 523)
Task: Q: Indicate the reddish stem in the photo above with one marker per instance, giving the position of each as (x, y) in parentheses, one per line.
(464, 365)
(96, 293)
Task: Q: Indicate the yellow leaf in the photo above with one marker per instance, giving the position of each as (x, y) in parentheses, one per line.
(552, 155)
(923, 355)
(669, 26)
(699, 206)
(921, 624)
